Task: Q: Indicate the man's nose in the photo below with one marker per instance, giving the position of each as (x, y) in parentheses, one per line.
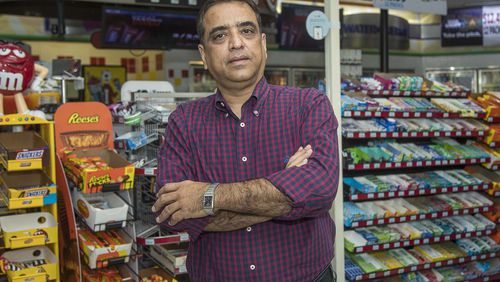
(235, 41)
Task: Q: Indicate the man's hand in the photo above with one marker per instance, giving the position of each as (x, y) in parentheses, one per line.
(300, 157)
(182, 200)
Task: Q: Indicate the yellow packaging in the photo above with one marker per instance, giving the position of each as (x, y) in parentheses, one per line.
(27, 230)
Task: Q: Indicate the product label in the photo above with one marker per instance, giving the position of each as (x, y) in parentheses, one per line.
(99, 180)
(29, 155)
(77, 119)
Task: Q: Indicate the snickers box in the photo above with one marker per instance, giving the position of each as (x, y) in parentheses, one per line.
(23, 151)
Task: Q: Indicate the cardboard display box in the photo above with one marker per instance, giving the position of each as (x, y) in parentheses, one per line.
(31, 264)
(92, 166)
(23, 151)
(27, 230)
(101, 211)
(27, 189)
(103, 249)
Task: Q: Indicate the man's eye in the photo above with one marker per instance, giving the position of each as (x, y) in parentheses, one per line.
(219, 36)
(248, 31)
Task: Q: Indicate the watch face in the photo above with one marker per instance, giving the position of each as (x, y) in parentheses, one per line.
(207, 202)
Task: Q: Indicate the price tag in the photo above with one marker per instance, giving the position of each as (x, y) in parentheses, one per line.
(467, 235)
(401, 193)
(406, 243)
(429, 114)
(450, 262)
(371, 275)
(401, 271)
(397, 245)
(397, 164)
(184, 236)
(433, 191)
(476, 187)
(454, 189)
(426, 133)
(460, 260)
(376, 165)
(437, 239)
(406, 114)
(373, 134)
(422, 216)
(387, 273)
(472, 258)
(347, 113)
(438, 162)
(445, 162)
(357, 113)
(149, 241)
(483, 256)
(409, 164)
(383, 135)
(351, 167)
(447, 238)
(434, 215)
(392, 220)
(455, 212)
(391, 195)
(462, 161)
(480, 133)
(417, 114)
(445, 214)
(483, 160)
(355, 224)
(413, 217)
(149, 171)
(425, 241)
(413, 268)
(466, 211)
(403, 219)
(427, 163)
(366, 166)
(387, 246)
(392, 114)
(380, 195)
(427, 266)
(411, 193)
(369, 222)
(447, 133)
(438, 264)
(404, 134)
(445, 115)
(361, 135)
(376, 247)
(378, 114)
(192, 2)
(350, 135)
(468, 133)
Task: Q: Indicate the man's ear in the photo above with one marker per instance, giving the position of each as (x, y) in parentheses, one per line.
(201, 49)
(264, 43)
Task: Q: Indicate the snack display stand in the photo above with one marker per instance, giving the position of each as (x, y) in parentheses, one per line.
(97, 187)
(28, 224)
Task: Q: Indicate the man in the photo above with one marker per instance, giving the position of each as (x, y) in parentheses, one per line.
(237, 169)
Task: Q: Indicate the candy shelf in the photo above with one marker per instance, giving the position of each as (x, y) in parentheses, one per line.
(420, 192)
(414, 134)
(388, 165)
(415, 217)
(162, 240)
(423, 266)
(401, 114)
(495, 277)
(421, 241)
(397, 93)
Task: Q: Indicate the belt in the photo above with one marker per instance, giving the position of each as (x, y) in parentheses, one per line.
(327, 275)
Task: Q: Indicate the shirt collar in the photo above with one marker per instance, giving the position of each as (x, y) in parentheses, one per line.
(259, 94)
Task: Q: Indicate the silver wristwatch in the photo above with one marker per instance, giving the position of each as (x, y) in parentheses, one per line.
(209, 198)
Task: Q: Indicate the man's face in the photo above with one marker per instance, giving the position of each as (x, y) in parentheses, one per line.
(234, 50)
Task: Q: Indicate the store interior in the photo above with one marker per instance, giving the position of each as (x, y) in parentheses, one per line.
(419, 120)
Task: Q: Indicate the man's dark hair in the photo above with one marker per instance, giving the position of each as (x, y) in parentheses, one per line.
(200, 28)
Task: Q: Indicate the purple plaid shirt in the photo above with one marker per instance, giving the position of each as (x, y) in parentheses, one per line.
(205, 141)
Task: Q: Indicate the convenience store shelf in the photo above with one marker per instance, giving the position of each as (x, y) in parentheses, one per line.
(399, 114)
(495, 277)
(163, 240)
(387, 165)
(419, 192)
(423, 266)
(421, 241)
(397, 93)
(415, 217)
(414, 134)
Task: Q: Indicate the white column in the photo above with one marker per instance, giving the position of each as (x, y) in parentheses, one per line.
(332, 56)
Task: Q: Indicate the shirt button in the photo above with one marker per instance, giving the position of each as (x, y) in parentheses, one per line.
(252, 267)
(244, 159)
(256, 113)
(249, 229)
(227, 115)
(242, 124)
(222, 104)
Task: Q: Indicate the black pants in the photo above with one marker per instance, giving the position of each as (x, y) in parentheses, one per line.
(327, 275)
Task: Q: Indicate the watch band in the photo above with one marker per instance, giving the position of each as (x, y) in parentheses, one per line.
(209, 198)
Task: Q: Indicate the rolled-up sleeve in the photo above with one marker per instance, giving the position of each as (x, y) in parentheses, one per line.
(174, 165)
(312, 187)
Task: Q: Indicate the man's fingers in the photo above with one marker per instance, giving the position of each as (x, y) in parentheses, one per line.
(163, 200)
(176, 217)
(299, 157)
(169, 187)
(167, 212)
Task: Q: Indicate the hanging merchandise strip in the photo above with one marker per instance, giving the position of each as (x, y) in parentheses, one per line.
(387, 165)
(414, 134)
(396, 93)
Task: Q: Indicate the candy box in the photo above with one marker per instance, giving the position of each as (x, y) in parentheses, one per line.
(26, 230)
(102, 249)
(27, 189)
(23, 151)
(30, 264)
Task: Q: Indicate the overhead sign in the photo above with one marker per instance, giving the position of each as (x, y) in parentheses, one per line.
(462, 27)
(419, 6)
(491, 25)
